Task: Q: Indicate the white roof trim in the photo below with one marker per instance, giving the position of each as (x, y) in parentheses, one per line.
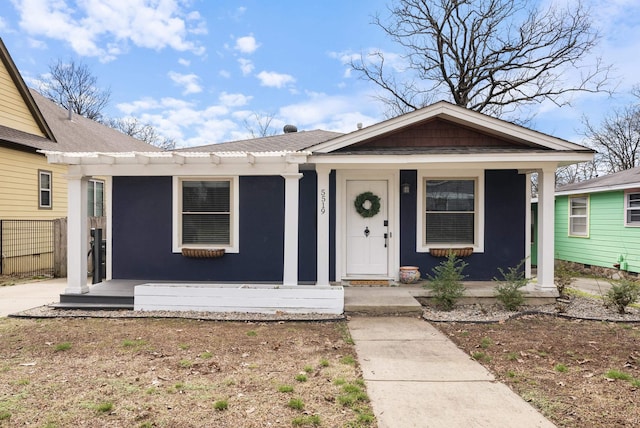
(166, 158)
(453, 113)
(599, 189)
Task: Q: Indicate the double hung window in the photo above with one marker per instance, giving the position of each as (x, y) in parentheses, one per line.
(579, 216)
(206, 213)
(45, 189)
(632, 208)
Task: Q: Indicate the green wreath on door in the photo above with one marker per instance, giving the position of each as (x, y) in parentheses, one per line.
(367, 204)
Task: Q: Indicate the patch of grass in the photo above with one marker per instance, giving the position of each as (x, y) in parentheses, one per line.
(104, 407)
(511, 374)
(351, 395)
(618, 375)
(324, 362)
(23, 382)
(206, 355)
(345, 333)
(296, 403)
(252, 333)
(301, 377)
(486, 342)
(285, 388)
(183, 346)
(313, 420)
(64, 346)
(185, 364)
(221, 405)
(512, 356)
(308, 369)
(4, 415)
(561, 368)
(133, 343)
(339, 381)
(481, 356)
(349, 360)
(635, 383)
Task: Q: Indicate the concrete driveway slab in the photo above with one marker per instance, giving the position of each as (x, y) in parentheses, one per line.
(20, 297)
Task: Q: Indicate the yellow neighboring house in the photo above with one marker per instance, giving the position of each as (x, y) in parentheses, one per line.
(32, 191)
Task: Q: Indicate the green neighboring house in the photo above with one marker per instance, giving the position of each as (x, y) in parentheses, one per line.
(597, 222)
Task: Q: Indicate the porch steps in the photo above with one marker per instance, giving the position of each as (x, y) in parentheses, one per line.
(94, 302)
(381, 301)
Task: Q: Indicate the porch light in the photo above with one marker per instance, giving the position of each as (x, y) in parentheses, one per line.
(406, 188)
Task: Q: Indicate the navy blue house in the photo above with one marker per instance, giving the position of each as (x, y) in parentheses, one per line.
(319, 207)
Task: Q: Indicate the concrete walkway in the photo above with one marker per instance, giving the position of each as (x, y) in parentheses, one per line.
(20, 297)
(417, 377)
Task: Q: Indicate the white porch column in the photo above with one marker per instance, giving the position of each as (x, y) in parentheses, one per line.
(322, 239)
(77, 246)
(291, 201)
(546, 226)
(527, 230)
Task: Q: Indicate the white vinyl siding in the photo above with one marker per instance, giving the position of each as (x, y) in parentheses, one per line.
(579, 216)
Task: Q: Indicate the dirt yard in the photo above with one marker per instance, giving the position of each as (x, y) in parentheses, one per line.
(578, 373)
(179, 373)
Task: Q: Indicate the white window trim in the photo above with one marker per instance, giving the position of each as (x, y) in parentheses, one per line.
(41, 189)
(626, 207)
(234, 246)
(478, 176)
(93, 212)
(570, 217)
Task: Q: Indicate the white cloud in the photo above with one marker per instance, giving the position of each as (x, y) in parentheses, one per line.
(234, 100)
(274, 80)
(189, 82)
(104, 29)
(225, 74)
(184, 62)
(246, 66)
(246, 44)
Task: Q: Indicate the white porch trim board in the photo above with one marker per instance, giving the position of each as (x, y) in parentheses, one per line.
(254, 298)
(77, 246)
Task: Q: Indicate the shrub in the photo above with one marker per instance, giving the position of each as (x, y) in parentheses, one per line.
(623, 293)
(508, 289)
(563, 277)
(446, 282)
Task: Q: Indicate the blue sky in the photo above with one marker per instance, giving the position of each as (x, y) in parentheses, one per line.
(199, 71)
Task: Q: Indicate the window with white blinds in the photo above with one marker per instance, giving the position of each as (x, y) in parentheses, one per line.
(206, 213)
(450, 211)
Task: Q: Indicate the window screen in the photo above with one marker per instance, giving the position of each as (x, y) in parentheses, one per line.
(450, 213)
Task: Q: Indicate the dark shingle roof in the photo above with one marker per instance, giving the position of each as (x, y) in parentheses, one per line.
(627, 178)
(77, 135)
(293, 141)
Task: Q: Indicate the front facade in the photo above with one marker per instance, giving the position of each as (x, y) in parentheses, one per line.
(319, 208)
(598, 221)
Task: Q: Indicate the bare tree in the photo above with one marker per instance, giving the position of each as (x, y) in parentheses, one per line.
(492, 56)
(133, 127)
(259, 125)
(617, 138)
(72, 85)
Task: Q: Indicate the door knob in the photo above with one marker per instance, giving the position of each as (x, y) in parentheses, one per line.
(366, 231)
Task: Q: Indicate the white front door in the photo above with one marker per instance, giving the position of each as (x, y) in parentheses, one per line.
(367, 241)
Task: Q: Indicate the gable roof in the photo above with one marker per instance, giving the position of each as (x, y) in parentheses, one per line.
(288, 142)
(627, 179)
(23, 92)
(59, 133)
(518, 137)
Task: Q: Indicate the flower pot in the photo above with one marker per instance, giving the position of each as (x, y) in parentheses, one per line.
(409, 274)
